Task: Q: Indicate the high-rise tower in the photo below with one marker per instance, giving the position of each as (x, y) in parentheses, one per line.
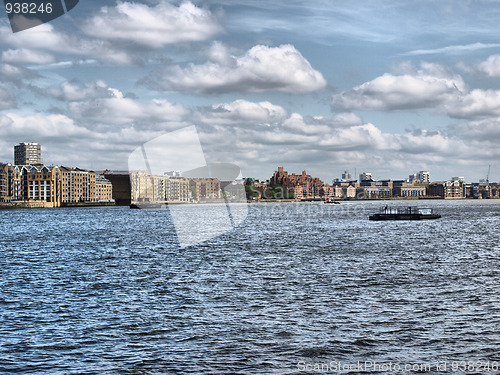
(27, 154)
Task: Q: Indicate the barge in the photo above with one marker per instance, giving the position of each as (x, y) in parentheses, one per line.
(406, 213)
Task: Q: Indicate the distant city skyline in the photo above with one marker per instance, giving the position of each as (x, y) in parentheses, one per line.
(387, 87)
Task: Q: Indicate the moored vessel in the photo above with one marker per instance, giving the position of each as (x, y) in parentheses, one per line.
(405, 213)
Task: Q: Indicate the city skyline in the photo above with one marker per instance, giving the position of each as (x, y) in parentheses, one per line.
(346, 175)
(387, 87)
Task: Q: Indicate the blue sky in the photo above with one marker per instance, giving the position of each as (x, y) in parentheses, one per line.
(390, 87)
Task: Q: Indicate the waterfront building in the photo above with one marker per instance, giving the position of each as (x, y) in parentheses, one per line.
(408, 190)
(122, 189)
(311, 186)
(374, 191)
(103, 189)
(77, 185)
(177, 189)
(147, 188)
(142, 188)
(27, 154)
(483, 190)
(328, 192)
(10, 183)
(205, 188)
(298, 192)
(43, 183)
(30, 182)
(349, 191)
(454, 189)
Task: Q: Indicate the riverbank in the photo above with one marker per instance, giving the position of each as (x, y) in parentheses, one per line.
(41, 204)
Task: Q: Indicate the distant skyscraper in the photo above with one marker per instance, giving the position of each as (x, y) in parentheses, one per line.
(27, 154)
(346, 176)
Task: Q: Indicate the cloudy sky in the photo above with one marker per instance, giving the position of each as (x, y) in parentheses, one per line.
(390, 87)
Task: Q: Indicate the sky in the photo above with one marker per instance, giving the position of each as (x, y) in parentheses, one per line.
(389, 87)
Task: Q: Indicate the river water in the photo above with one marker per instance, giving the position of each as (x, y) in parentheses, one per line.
(295, 289)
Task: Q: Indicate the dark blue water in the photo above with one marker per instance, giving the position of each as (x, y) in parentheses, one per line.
(110, 291)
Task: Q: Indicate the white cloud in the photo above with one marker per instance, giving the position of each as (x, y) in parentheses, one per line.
(10, 72)
(428, 88)
(118, 109)
(475, 104)
(260, 69)
(486, 131)
(41, 126)
(70, 92)
(27, 56)
(152, 27)
(491, 67)
(46, 38)
(451, 50)
(241, 112)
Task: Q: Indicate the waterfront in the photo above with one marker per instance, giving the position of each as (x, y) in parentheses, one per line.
(108, 290)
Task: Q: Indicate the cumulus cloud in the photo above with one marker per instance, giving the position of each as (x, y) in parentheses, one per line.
(27, 56)
(68, 142)
(13, 73)
(152, 27)
(70, 92)
(428, 88)
(118, 109)
(475, 104)
(42, 126)
(491, 67)
(486, 131)
(46, 38)
(260, 69)
(241, 112)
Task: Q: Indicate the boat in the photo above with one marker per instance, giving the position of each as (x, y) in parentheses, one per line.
(405, 213)
(331, 201)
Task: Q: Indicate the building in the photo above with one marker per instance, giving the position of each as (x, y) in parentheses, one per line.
(77, 185)
(27, 154)
(408, 190)
(374, 192)
(122, 189)
(177, 189)
(10, 183)
(311, 186)
(454, 189)
(44, 184)
(424, 177)
(205, 188)
(147, 188)
(103, 189)
(346, 176)
(365, 176)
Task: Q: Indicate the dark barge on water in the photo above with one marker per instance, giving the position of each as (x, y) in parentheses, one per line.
(405, 213)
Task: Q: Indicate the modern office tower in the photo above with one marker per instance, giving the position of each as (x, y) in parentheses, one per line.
(27, 154)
